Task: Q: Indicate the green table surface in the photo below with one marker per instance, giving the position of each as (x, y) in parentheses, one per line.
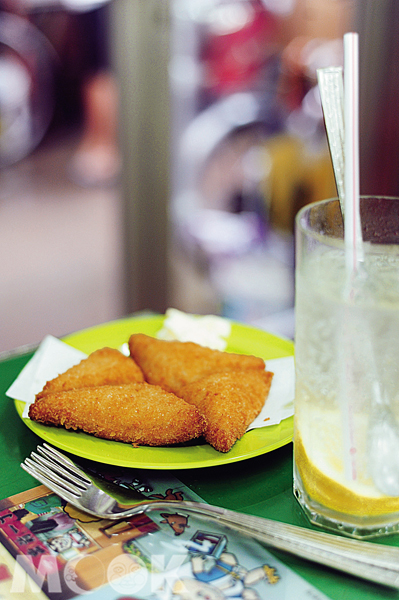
(259, 486)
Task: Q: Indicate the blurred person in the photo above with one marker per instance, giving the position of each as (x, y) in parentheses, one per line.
(96, 160)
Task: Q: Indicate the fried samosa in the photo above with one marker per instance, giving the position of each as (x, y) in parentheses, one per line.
(138, 413)
(229, 402)
(106, 366)
(174, 364)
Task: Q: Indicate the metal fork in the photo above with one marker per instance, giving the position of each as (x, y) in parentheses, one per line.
(374, 562)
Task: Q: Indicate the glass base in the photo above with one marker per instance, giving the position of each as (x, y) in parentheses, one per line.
(349, 525)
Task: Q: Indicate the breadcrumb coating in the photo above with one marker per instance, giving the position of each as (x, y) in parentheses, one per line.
(229, 402)
(173, 364)
(137, 413)
(106, 366)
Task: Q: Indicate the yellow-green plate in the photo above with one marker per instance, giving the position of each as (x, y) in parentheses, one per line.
(243, 339)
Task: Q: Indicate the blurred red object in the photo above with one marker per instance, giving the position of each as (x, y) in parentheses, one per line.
(236, 46)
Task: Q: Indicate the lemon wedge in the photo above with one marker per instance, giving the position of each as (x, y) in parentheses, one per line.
(319, 463)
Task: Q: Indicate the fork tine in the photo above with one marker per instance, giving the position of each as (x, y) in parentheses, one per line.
(50, 483)
(64, 468)
(60, 459)
(63, 480)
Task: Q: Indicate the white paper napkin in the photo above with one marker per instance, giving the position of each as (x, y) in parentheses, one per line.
(280, 402)
(54, 357)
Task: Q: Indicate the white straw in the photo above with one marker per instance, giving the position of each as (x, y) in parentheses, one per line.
(353, 244)
(353, 234)
(341, 115)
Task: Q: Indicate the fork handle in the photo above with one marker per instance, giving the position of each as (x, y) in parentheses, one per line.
(374, 562)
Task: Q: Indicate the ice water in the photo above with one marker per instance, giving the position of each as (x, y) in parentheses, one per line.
(347, 338)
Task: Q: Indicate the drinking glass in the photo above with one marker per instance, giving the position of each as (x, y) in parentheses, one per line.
(346, 435)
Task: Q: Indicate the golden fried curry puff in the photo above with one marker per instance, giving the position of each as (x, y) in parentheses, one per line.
(106, 366)
(165, 392)
(173, 364)
(229, 402)
(137, 413)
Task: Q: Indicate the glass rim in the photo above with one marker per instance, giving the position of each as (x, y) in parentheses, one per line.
(328, 240)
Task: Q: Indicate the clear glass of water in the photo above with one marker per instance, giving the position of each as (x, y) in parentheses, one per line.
(346, 429)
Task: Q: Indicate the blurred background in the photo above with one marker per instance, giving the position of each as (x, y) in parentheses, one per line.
(154, 153)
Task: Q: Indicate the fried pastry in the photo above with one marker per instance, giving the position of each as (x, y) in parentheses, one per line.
(229, 402)
(106, 366)
(174, 364)
(138, 413)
